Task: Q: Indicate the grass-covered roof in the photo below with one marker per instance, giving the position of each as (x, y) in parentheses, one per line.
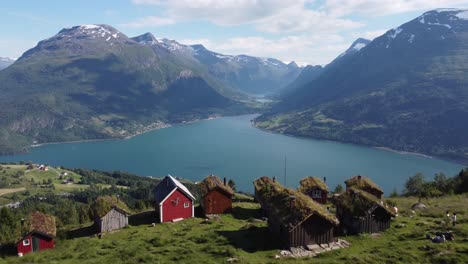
(362, 183)
(104, 204)
(291, 207)
(213, 182)
(40, 222)
(358, 202)
(308, 183)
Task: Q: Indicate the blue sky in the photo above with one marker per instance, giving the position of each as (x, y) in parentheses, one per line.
(306, 31)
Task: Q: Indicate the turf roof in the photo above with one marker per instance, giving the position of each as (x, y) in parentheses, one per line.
(40, 222)
(358, 202)
(362, 183)
(213, 182)
(104, 204)
(291, 207)
(308, 183)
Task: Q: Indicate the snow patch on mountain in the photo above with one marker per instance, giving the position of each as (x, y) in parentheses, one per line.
(395, 33)
(462, 15)
(411, 38)
(359, 46)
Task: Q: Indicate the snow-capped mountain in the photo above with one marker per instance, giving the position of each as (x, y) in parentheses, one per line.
(355, 47)
(407, 90)
(5, 62)
(249, 74)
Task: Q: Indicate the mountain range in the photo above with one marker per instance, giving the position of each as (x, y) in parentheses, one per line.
(5, 62)
(92, 82)
(406, 90)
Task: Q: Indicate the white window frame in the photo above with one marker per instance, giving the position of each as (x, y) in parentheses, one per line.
(186, 204)
(26, 242)
(316, 194)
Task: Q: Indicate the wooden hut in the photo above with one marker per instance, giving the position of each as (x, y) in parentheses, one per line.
(216, 195)
(110, 214)
(315, 188)
(295, 218)
(362, 212)
(364, 184)
(173, 201)
(40, 233)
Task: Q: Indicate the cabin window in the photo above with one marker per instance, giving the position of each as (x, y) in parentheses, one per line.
(186, 205)
(316, 194)
(26, 242)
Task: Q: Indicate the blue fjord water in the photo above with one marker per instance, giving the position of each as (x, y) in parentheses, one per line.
(230, 147)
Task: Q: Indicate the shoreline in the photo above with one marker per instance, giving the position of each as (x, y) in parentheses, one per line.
(388, 149)
(126, 137)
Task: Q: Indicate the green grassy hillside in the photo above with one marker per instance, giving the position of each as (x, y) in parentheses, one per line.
(241, 235)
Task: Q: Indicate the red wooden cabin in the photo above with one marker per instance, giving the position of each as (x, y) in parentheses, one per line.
(216, 196)
(173, 200)
(34, 241)
(41, 232)
(315, 188)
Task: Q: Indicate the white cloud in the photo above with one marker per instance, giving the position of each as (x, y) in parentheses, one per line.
(225, 12)
(340, 8)
(150, 21)
(304, 49)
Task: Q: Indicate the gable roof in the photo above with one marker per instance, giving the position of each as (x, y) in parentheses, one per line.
(289, 206)
(214, 182)
(167, 185)
(104, 204)
(41, 223)
(359, 202)
(362, 183)
(308, 183)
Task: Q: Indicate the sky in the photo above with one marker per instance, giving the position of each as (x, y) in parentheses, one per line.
(306, 31)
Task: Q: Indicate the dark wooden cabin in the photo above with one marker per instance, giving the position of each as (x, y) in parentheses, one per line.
(315, 188)
(114, 219)
(40, 233)
(365, 184)
(216, 195)
(295, 218)
(361, 212)
(110, 213)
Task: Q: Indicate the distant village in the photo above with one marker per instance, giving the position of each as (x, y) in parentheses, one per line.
(306, 221)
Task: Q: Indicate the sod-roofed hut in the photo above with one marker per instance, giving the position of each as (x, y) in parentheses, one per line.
(362, 212)
(294, 217)
(216, 195)
(315, 188)
(40, 232)
(365, 184)
(110, 214)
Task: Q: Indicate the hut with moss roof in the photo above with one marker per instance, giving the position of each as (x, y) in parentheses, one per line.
(364, 184)
(315, 188)
(40, 232)
(110, 214)
(362, 212)
(216, 195)
(294, 217)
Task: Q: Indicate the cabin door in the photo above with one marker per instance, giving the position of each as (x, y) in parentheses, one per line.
(35, 244)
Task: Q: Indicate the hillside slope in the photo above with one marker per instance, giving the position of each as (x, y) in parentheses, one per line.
(406, 90)
(91, 82)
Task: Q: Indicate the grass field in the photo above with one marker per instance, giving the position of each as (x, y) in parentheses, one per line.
(15, 180)
(242, 236)
(11, 190)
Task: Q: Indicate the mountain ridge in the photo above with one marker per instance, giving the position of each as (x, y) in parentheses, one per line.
(402, 91)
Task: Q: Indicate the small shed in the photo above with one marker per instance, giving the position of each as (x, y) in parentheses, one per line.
(315, 188)
(40, 233)
(216, 195)
(110, 213)
(295, 218)
(173, 200)
(365, 184)
(362, 212)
